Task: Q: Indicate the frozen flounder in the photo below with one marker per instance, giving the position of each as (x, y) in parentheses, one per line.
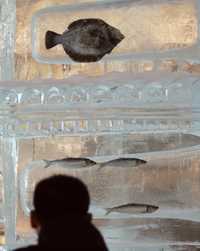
(133, 208)
(86, 40)
(123, 162)
(71, 163)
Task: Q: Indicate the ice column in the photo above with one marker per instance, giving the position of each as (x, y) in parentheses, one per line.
(7, 39)
(9, 162)
(8, 149)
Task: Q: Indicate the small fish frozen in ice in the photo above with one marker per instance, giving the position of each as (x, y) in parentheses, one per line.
(86, 40)
(71, 162)
(123, 162)
(132, 208)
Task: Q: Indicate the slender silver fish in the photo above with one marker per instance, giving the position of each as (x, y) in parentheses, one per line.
(86, 40)
(132, 208)
(123, 162)
(71, 162)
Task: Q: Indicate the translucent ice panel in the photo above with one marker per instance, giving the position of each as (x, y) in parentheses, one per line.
(112, 115)
(174, 235)
(112, 145)
(7, 31)
(149, 26)
(172, 184)
(104, 195)
(117, 102)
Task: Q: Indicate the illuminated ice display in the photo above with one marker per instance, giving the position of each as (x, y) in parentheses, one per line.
(151, 117)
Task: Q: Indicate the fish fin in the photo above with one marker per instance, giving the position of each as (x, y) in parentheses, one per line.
(76, 24)
(151, 209)
(52, 39)
(81, 58)
(79, 23)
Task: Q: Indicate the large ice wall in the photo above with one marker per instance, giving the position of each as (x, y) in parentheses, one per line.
(149, 116)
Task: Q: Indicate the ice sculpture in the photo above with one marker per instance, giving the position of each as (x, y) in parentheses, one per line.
(149, 116)
(92, 104)
(101, 118)
(145, 184)
(159, 29)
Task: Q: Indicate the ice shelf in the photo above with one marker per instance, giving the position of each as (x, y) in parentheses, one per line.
(159, 29)
(116, 102)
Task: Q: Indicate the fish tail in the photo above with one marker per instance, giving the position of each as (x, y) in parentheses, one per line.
(52, 39)
(108, 211)
(48, 163)
(101, 165)
(90, 162)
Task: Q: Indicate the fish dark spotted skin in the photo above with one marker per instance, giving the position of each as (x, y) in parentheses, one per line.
(86, 40)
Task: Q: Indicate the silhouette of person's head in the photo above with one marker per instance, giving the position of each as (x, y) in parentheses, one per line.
(61, 217)
(58, 196)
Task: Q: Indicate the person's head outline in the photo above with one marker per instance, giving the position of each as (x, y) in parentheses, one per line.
(59, 196)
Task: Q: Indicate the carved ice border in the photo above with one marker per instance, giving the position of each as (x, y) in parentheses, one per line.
(61, 107)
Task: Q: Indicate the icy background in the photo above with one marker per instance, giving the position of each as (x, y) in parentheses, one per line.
(170, 179)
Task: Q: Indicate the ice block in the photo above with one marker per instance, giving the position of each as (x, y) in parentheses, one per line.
(115, 102)
(152, 29)
(145, 116)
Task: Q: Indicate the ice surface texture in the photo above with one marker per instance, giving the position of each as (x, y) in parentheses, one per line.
(171, 182)
(116, 102)
(137, 183)
(7, 39)
(91, 112)
(156, 29)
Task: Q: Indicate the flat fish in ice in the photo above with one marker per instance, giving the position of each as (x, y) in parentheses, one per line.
(71, 162)
(132, 208)
(86, 40)
(123, 162)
